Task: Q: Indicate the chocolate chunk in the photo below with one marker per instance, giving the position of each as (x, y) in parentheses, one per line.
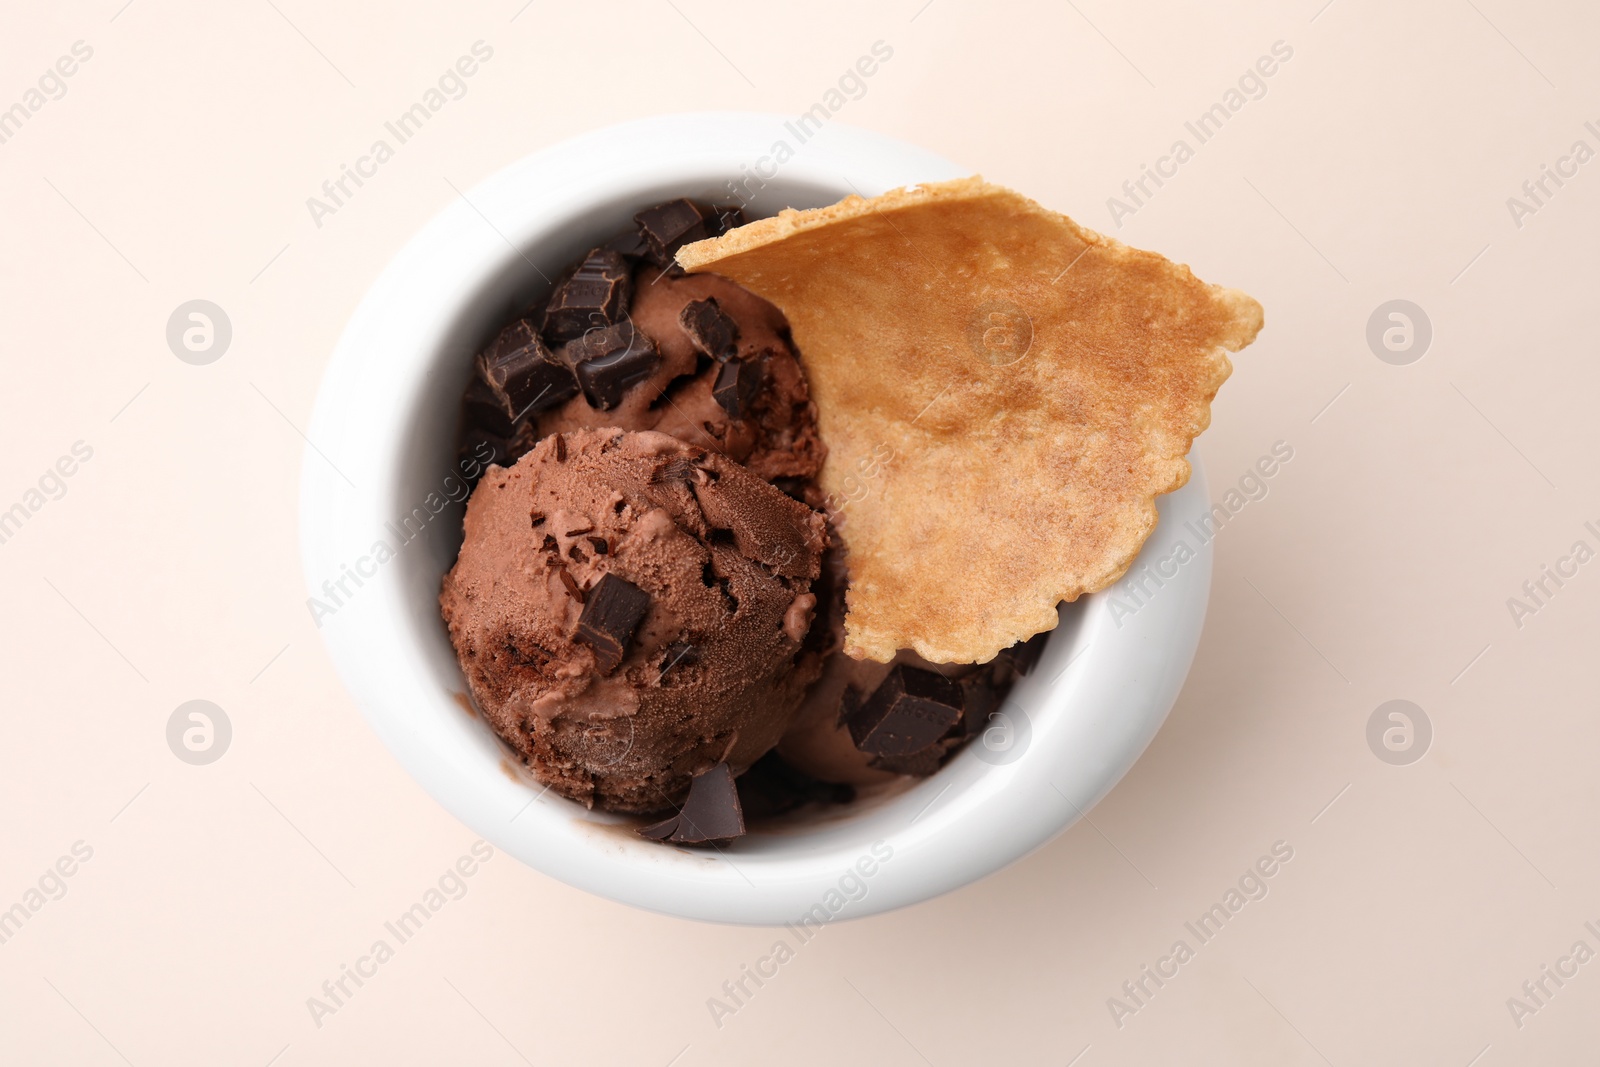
(522, 375)
(608, 362)
(917, 764)
(1025, 654)
(678, 654)
(910, 711)
(737, 384)
(485, 412)
(773, 787)
(610, 615)
(711, 812)
(630, 243)
(596, 295)
(478, 449)
(725, 217)
(981, 693)
(710, 329)
(668, 227)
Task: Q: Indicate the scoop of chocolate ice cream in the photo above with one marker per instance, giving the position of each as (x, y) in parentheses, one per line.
(630, 610)
(773, 433)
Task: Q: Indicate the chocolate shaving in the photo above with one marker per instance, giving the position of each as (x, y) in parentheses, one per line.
(574, 590)
(907, 713)
(611, 614)
(561, 448)
(710, 813)
(601, 545)
(538, 519)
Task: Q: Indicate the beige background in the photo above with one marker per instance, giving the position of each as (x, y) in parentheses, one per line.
(1419, 499)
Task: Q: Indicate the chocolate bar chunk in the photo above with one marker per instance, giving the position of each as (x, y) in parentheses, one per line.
(737, 384)
(630, 243)
(1025, 654)
(607, 362)
(478, 449)
(610, 615)
(678, 654)
(917, 764)
(596, 295)
(710, 329)
(910, 711)
(772, 787)
(668, 227)
(484, 411)
(711, 812)
(522, 374)
(725, 217)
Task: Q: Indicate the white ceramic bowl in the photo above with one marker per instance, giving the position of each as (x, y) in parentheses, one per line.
(383, 433)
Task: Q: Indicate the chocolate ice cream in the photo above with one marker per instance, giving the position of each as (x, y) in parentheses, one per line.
(630, 610)
(626, 340)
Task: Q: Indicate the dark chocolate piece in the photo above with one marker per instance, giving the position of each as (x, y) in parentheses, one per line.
(678, 654)
(611, 613)
(917, 764)
(910, 711)
(710, 329)
(608, 362)
(1025, 654)
(595, 296)
(668, 227)
(737, 384)
(478, 449)
(773, 787)
(630, 243)
(485, 412)
(522, 375)
(725, 217)
(981, 692)
(710, 813)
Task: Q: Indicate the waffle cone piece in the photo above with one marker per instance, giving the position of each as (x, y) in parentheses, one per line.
(1003, 394)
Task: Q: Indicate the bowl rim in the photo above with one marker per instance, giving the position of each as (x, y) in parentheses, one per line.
(1072, 728)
